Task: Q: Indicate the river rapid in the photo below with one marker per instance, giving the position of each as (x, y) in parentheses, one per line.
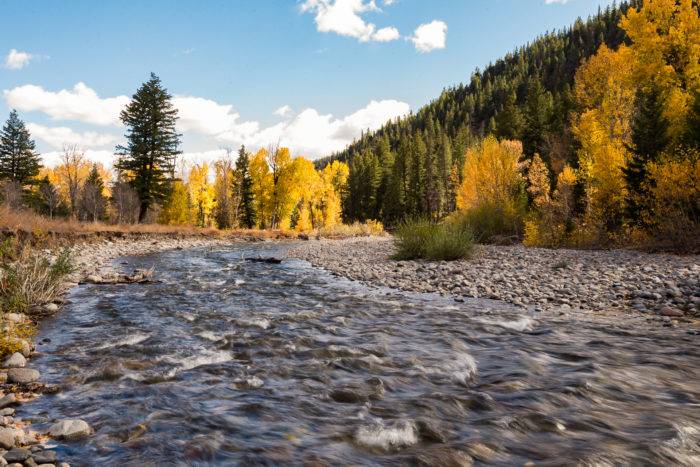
(225, 361)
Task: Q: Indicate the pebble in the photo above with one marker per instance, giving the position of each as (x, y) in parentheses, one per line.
(22, 375)
(8, 438)
(51, 307)
(16, 360)
(672, 312)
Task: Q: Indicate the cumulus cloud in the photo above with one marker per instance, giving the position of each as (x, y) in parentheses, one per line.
(283, 111)
(80, 103)
(386, 34)
(430, 36)
(56, 137)
(309, 132)
(313, 134)
(104, 157)
(16, 60)
(344, 17)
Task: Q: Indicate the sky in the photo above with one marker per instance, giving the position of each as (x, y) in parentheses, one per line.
(307, 74)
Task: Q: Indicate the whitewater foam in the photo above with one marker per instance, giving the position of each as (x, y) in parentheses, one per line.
(381, 435)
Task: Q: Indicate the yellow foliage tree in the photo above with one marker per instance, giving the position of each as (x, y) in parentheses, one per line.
(202, 194)
(491, 192)
(334, 179)
(177, 208)
(665, 44)
(604, 89)
(263, 187)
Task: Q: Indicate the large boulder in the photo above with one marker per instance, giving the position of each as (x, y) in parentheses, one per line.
(70, 430)
(22, 375)
(16, 360)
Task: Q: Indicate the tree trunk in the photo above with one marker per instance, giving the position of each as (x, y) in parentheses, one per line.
(143, 210)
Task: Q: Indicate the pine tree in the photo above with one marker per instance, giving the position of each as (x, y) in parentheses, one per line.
(510, 121)
(649, 139)
(148, 159)
(538, 110)
(19, 161)
(244, 182)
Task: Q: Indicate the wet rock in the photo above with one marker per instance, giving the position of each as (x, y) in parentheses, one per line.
(429, 430)
(16, 455)
(347, 396)
(16, 360)
(443, 457)
(672, 312)
(70, 430)
(22, 375)
(7, 412)
(8, 400)
(44, 457)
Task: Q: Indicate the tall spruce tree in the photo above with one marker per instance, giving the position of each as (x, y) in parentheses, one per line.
(246, 212)
(649, 139)
(19, 161)
(148, 159)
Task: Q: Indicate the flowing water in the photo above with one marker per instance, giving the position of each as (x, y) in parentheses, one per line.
(231, 362)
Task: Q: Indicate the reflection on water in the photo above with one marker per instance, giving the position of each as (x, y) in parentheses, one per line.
(227, 361)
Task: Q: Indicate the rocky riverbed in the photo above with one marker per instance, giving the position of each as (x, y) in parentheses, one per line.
(664, 287)
(20, 443)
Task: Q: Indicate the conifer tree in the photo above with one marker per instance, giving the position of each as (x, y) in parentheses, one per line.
(649, 139)
(148, 159)
(19, 161)
(246, 211)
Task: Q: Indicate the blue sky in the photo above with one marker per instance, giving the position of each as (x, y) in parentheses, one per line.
(309, 73)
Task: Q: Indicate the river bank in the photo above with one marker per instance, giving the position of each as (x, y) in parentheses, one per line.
(661, 286)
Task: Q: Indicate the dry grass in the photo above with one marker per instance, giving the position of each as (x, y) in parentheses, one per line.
(30, 222)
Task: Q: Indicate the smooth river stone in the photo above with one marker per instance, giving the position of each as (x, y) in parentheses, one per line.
(22, 375)
(70, 429)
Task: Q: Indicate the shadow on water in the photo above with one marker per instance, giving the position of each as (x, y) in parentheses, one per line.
(226, 361)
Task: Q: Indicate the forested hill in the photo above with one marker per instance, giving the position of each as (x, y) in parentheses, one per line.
(525, 96)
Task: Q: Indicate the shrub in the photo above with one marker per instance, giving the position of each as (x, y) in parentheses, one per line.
(28, 278)
(496, 222)
(422, 239)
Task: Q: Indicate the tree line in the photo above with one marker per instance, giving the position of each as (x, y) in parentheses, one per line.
(151, 183)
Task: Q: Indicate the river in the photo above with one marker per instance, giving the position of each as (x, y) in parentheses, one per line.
(225, 361)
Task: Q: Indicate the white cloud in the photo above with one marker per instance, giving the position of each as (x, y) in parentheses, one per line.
(309, 132)
(344, 17)
(430, 36)
(16, 60)
(283, 111)
(56, 137)
(104, 157)
(80, 103)
(386, 34)
(549, 2)
(313, 135)
(210, 118)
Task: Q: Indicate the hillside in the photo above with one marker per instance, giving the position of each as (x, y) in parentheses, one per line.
(410, 166)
